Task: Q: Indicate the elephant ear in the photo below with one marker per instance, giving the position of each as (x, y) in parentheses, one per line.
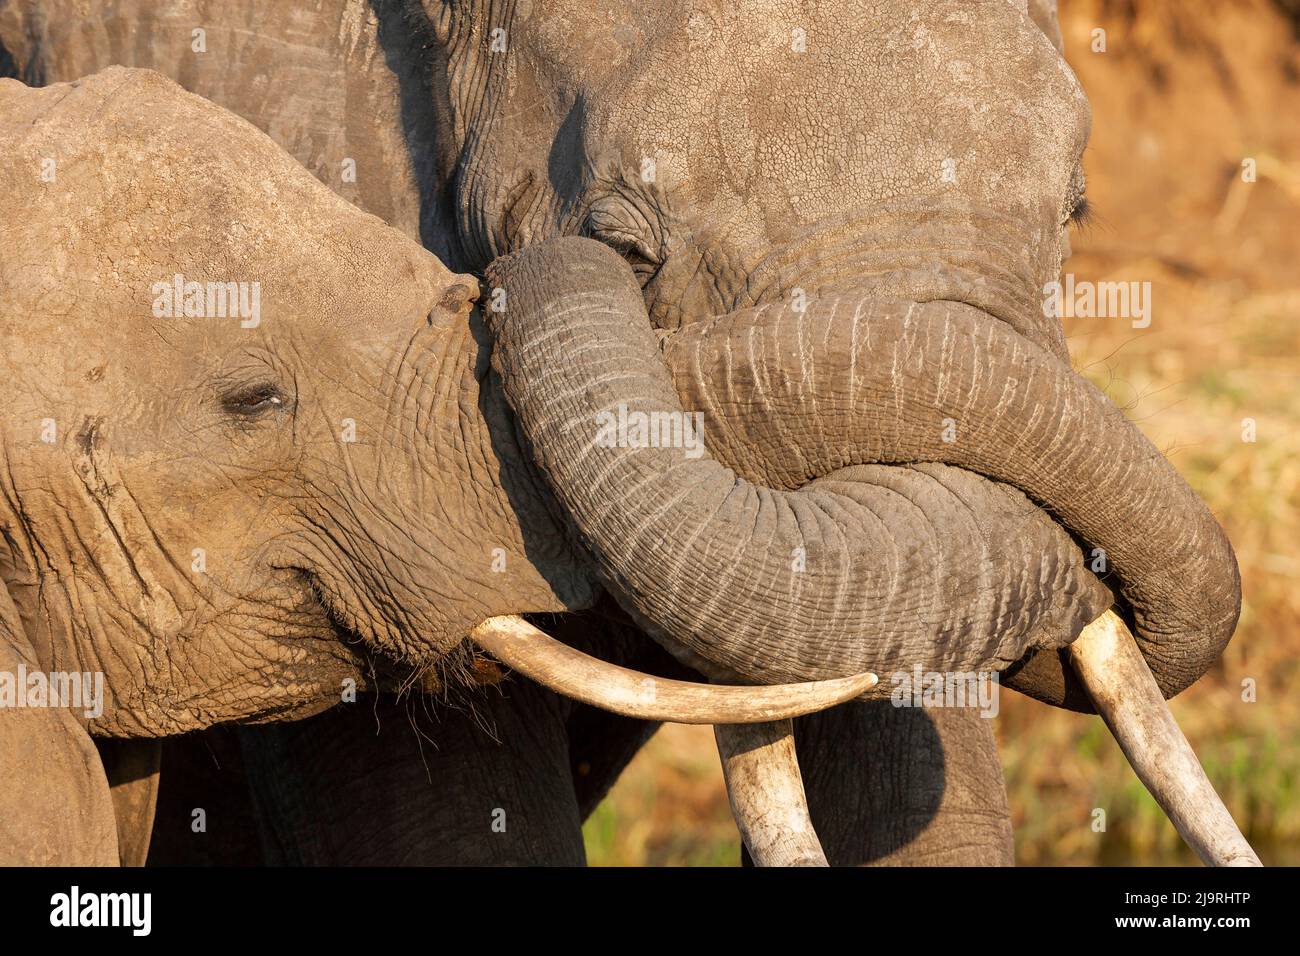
(55, 806)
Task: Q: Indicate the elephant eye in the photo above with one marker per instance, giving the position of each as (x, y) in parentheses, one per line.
(638, 255)
(251, 401)
(627, 246)
(622, 227)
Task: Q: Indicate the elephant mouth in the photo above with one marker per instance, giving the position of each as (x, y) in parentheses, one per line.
(778, 570)
(576, 675)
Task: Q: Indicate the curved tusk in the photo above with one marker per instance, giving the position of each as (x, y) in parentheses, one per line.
(572, 673)
(766, 794)
(1117, 677)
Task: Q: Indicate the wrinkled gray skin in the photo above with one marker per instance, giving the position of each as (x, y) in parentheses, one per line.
(924, 289)
(759, 191)
(228, 520)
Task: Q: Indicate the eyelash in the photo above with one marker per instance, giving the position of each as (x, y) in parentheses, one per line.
(1082, 212)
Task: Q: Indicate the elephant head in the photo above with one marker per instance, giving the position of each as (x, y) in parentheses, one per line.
(242, 417)
(250, 444)
(830, 231)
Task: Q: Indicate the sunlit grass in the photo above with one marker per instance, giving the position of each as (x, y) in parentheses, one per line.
(669, 808)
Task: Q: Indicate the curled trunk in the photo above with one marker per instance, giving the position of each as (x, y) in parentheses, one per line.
(823, 560)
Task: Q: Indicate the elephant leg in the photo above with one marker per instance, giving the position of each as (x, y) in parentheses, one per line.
(508, 781)
(132, 769)
(205, 814)
(601, 744)
(388, 781)
(55, 804)
(891, 786)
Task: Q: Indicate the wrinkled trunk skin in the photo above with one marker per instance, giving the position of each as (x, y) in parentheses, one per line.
(321, 116)
(341, 80)
(868, 567)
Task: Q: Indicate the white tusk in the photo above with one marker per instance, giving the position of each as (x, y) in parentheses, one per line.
(1108, 661)
(567, 671)
(766, 794)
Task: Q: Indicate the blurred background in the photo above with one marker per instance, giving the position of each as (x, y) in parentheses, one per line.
(1183, 94)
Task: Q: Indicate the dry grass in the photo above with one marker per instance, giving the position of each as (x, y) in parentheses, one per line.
(1179, 100)
(669, 808)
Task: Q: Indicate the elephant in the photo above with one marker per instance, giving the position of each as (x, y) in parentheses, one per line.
(221, 506)
(683, 141)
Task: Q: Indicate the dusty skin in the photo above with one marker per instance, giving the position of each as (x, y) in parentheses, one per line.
(319, 551)
(175, 510)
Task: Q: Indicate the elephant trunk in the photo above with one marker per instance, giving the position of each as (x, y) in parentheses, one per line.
(819, 561)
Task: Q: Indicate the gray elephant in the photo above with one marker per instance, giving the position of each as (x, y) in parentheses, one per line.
(908, 235)
(224, 505)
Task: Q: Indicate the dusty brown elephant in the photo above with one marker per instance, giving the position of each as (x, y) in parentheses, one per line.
(553, 147)
(253, 458)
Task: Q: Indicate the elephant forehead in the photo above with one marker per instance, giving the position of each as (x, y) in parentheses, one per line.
(884, 100)
(122, 183)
